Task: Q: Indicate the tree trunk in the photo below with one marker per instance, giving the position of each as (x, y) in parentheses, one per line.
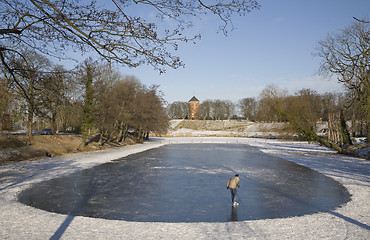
(29, 123)
(123, 129)
(368, 126)
(330, 145)
(343, 130)
(366, 105)
(88, 118)
(334, 133)
(353, 127)
(54, 122)
(100, 142)
(337, 129)
(140, 135)
(147, 135)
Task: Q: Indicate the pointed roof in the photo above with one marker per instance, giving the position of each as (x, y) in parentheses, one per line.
(193, 99)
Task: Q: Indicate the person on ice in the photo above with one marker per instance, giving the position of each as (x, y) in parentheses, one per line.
(232, 184)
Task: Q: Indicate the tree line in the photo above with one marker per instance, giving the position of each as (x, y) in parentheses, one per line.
(306, 103)
(93, 99)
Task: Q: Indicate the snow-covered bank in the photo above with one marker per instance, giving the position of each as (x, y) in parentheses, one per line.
(224, 128)
(352, 221)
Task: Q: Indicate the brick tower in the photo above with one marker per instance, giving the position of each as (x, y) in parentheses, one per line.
(194, 108)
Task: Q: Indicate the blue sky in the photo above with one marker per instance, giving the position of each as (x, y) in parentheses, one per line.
(273, 45)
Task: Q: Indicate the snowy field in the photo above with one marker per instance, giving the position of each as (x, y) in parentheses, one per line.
(352, 221)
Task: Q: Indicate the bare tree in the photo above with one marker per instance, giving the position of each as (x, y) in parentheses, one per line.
(115, 113)
(302, 111)
(270, 99)
(329, 104)
(248, 108)
(205, 110)
(220, 110)
(109, 28)
(27, 79)
(55, 87)
(69, 116)
(178, 110)
(123, 105)
(346, 55)
(229, 109)
(150, 115)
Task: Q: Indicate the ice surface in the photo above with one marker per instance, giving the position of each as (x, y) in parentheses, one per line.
(186, 183)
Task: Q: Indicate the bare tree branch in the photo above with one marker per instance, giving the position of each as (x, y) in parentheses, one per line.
(51, 27)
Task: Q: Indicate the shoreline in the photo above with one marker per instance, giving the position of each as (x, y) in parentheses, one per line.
(350, 221)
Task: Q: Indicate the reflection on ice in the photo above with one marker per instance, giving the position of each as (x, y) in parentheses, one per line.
(234, 214)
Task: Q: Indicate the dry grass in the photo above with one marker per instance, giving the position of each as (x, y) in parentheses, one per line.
(12, 141)
(18, 148)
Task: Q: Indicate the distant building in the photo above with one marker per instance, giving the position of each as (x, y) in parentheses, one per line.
(194, 108)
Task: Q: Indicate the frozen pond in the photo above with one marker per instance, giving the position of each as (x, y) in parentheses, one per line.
(187, 183)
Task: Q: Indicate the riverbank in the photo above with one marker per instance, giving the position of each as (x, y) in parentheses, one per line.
(16, 148)
(352, 221)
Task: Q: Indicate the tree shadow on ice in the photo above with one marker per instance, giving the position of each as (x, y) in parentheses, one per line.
(76, 211)
(19, 174)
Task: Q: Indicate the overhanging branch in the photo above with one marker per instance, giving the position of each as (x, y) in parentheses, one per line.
(10, 31)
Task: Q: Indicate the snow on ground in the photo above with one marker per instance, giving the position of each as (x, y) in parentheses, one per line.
(352, 221)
